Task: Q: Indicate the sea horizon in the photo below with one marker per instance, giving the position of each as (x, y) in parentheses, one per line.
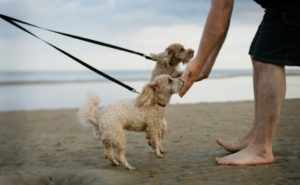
(83, 76)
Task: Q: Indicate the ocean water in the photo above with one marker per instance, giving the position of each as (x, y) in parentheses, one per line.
(59, 90)
(75, 76)
(69, 76)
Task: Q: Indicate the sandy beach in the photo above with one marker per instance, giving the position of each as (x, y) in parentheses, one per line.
(49, 147)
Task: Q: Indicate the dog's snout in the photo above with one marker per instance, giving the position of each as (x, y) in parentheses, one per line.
(191, 52)
(180, 83)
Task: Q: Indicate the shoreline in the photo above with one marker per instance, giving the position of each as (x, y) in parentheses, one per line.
(51, 82)
(72, 95)
(50, 146)
(63, 82)
(169, 105)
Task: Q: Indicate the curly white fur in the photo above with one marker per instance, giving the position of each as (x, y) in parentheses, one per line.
(87, 114)
(140, 114)
(168, 62)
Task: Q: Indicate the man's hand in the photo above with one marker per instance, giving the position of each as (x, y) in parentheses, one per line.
(190, 75)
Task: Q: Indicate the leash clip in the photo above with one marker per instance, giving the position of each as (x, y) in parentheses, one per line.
(148, 57)
(135, 91)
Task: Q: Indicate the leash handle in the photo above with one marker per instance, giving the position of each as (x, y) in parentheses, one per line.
(11, 21)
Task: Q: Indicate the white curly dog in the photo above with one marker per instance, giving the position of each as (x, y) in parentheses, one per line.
(143, 114)
(167, 62)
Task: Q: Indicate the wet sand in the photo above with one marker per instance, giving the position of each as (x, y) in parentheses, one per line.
(49, 147)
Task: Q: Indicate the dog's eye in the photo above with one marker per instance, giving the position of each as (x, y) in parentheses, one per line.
(181, 49)
(169, 80)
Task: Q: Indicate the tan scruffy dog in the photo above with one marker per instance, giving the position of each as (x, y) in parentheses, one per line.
(143, 114)
(168, 61)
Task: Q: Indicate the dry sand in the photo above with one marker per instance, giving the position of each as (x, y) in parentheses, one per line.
(50, 148)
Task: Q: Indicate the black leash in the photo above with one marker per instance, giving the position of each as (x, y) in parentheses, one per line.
(5, 17)
(13, 22)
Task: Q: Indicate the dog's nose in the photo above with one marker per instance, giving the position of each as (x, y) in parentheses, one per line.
(191, 51)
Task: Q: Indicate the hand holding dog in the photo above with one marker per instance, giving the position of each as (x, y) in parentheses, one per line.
(190, 75)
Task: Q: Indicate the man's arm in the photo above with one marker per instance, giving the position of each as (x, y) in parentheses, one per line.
(214, 34)
(211, 60)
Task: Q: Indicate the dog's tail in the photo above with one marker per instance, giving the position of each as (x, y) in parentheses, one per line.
(88, 114)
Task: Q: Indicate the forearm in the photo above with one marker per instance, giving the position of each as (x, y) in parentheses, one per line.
(207, 67)
(214, 34)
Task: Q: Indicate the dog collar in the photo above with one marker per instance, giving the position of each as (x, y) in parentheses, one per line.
(161, 105)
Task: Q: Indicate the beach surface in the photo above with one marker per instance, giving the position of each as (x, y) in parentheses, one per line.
(50, 147)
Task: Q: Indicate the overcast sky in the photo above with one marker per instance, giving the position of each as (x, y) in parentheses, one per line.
(142, 25)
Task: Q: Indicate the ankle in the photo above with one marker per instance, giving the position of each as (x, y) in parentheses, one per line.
(261, 149)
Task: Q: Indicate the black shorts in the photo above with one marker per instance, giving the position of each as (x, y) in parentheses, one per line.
(277, 40)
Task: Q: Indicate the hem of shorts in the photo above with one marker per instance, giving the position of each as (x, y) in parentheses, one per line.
(274, 61)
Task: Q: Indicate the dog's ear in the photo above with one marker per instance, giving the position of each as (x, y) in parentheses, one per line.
(170, 52)
(161, 58)
(173, 60)
(147, 96)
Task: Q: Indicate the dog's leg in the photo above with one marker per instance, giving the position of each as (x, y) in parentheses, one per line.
(162, 133)
(109, 155)
(161, 149)
(153, 139)
(120, 150)
(121, 155)
(177, 74)
(163, 129)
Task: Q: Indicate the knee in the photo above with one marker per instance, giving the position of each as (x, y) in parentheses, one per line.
(258, 66)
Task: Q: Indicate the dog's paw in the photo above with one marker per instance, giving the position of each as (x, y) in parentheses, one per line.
(159, 155)
(113, 161)
(130, 167)
(163, 151)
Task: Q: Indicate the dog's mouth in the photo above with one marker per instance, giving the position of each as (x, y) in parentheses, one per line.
(178, 86)
(188, 55)
(181, 83)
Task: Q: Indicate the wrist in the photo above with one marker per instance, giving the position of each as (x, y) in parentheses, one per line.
(197, 63)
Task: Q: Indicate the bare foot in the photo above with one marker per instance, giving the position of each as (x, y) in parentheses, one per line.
(233, 146)
(247, 157)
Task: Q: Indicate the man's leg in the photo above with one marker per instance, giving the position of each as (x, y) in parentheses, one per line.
(243, 142)
(270, 91)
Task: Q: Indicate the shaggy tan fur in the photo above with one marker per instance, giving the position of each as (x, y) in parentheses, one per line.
(168, 61)
(142, 114)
